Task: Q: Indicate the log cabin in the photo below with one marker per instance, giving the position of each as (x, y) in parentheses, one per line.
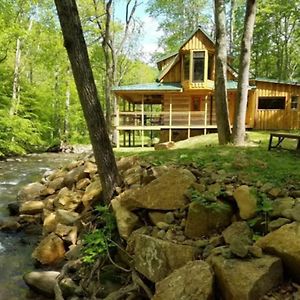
(181, 103)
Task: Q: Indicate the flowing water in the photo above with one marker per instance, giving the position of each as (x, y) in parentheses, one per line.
(16, 248)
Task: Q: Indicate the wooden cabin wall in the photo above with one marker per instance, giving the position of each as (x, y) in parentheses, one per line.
(174, 75)
(162, 64)
(275, 119)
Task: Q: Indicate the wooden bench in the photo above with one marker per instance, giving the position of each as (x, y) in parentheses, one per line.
(281, 137)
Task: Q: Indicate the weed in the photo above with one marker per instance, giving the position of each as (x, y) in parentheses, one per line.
(99, 241)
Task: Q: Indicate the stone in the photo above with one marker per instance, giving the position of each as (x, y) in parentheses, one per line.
(30, 192)
(50, 223)
(30, 219)
(163, 225)
(164, 146)
(156, 217)
(160, 193)
(126, 220)
(203, 218)
(56, 184)
(169, 217)
(83, 183)
(67, 199)
(74, 176)
(279, 205)
(275, 224)
(126, 163)
(42, 281)
(295, 193)
(239, 247)
(92, 192)
(274, 192)
(266, 187)
(9, 224)
(247, 279)
(284, 243)
(50, 250)
(214, 188)
(296, 212)
(156, 259)
(67, 233)
(66, 217)
(32, 207)
(13, 208)
(193, 281)
(68, 287)
(90, 168)
(237, 230)
(255, 251)
(246, 201)
(200, 188)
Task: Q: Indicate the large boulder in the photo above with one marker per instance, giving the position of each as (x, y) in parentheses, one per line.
(246, 279)
(126, 220)
(32, 207)
(50, 250)
(163, 193)
(204, 218)
(193, 281)
(92, 192)
(246, 200)
(42, 282)
(156, 259)
(31, 192)
(284, 243)
(67, 199)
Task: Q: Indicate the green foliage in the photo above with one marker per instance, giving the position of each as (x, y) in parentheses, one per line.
(208, 200)
(98, 242)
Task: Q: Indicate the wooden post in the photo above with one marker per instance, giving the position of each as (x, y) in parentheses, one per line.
(205, 116)
(189, 124)
(117, 123)
(170, 120)
(143, 121)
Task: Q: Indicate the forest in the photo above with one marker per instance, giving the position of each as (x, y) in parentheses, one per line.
(39, 102)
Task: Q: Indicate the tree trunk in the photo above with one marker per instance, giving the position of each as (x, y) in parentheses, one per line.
(239, 128)
(82, 72)
(224, 131)
(16, 80)
(67, 109)
(231, 25)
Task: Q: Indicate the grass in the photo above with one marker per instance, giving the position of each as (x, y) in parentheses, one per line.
(251, 163)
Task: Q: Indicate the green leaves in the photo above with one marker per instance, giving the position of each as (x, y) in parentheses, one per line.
(98, 242)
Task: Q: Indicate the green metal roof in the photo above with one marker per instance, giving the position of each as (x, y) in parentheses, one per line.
(276, 81)
(155, 86)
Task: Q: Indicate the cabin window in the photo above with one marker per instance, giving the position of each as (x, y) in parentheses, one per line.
(186, 66)
(294, 102)
(198, 65)
(271, 103)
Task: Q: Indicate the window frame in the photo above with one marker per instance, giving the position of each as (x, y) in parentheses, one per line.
(271, 100)
(294, 104)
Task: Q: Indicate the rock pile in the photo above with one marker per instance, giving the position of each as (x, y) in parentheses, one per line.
(190, 232)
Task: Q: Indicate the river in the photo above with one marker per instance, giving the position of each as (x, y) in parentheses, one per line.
(16, 248)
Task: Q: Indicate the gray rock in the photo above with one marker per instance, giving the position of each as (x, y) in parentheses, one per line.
(67, 217)
(43, 282)
(237, 230)
(279, 205)
(156, 259)
(284, 243)
(246, 201)
(193, 281)
(32, 207)
(203, 219)
(276, 224)
(30, 192)
(246, 279)
(160, 193)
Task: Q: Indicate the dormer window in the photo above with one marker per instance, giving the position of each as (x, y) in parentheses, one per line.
(198, 66)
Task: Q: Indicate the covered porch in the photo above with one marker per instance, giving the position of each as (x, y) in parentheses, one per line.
(145, 114)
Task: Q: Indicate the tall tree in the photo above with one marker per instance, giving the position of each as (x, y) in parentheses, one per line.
(83, 75)
(222, 114)
(239, 129)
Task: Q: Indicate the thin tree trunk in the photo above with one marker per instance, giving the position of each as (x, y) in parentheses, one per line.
(224, 131)
(82, 72)
(231, 25)
(67, 109)
(16, 80)
(239, 128)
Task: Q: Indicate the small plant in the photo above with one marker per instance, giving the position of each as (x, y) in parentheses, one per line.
(206, 199)
(98, 242)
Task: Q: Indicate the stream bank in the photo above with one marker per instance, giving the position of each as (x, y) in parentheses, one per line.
(16, 248)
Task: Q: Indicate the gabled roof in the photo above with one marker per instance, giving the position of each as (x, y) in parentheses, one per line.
(165, 70)
(156, 86)
(199, 28)
(270, 80)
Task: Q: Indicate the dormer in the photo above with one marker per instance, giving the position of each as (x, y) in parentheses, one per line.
(193, 65)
